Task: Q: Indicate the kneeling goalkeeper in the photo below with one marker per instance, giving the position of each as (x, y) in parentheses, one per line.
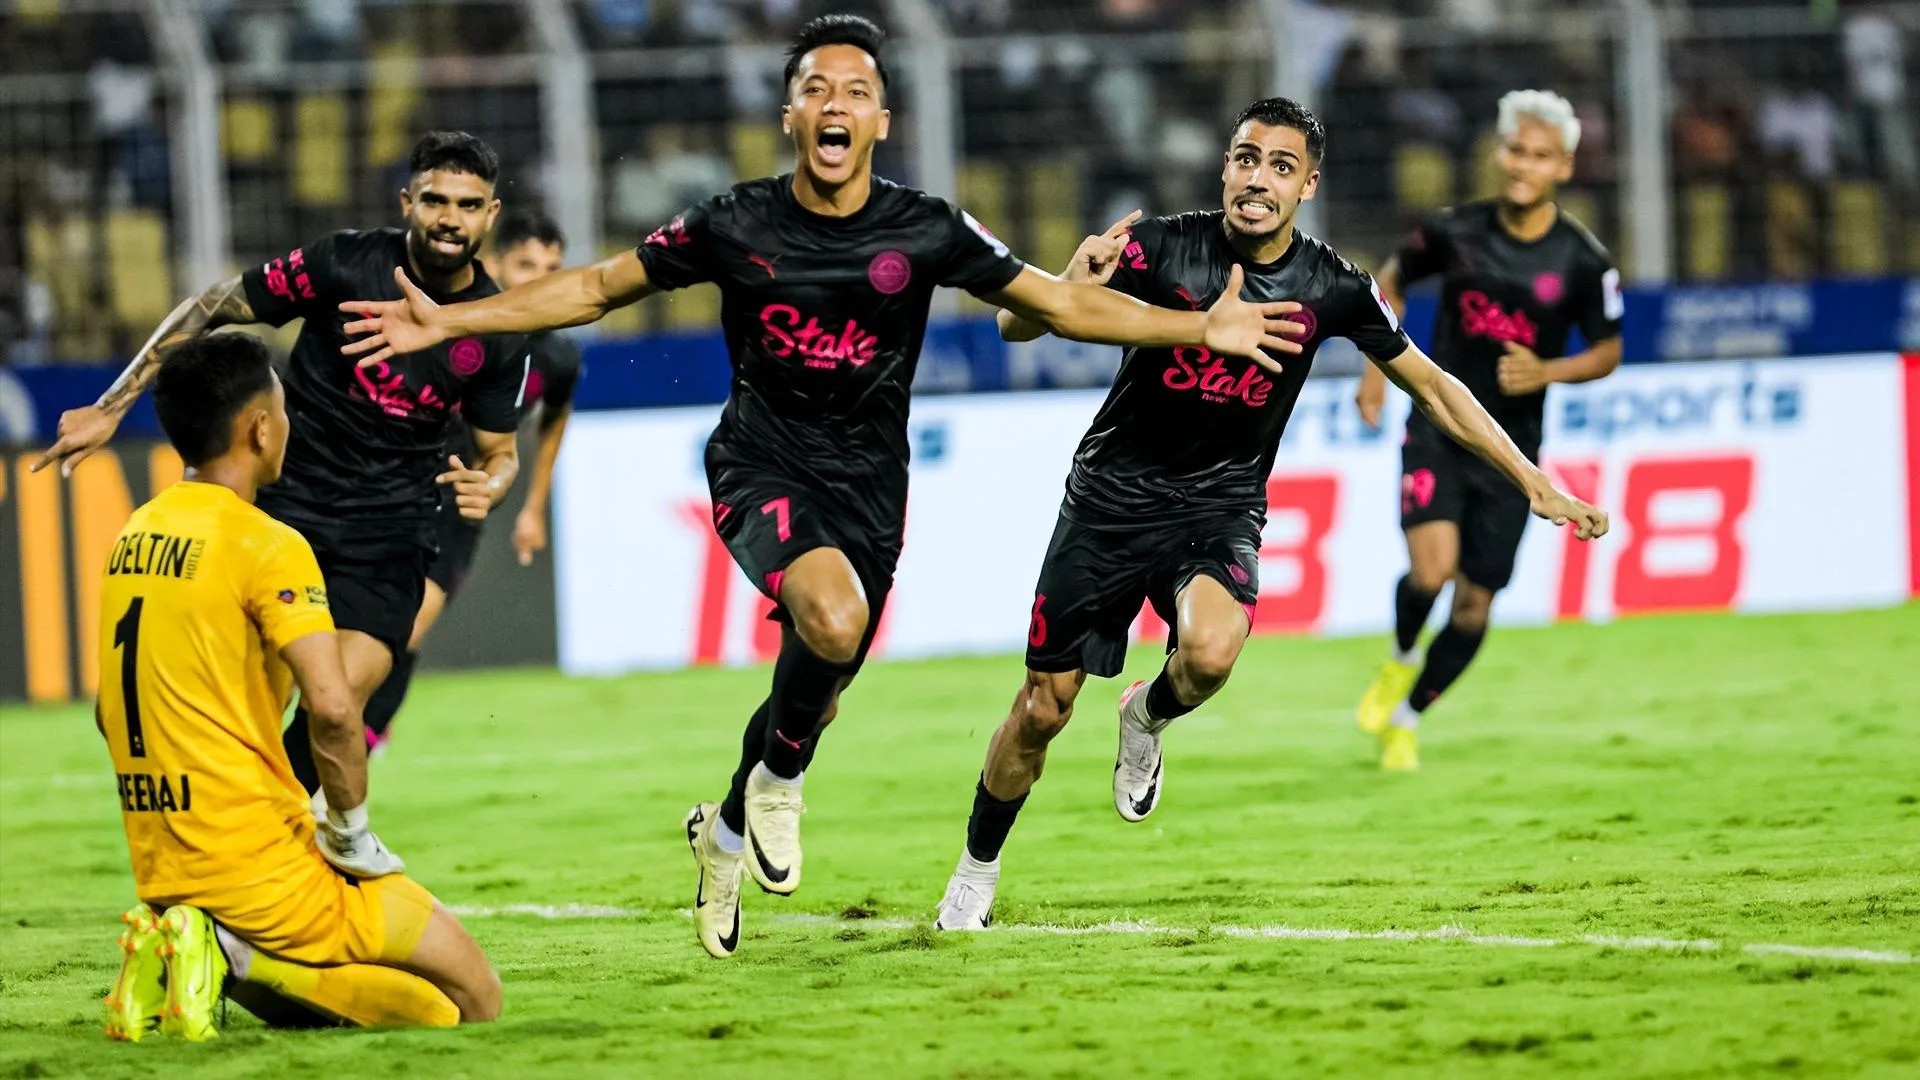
(210, 612)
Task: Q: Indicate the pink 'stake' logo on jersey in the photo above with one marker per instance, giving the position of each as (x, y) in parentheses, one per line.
(388, 389)
(818, 347)
(1480, 316)
(466, 357)
(1195, 368)
(889, 272)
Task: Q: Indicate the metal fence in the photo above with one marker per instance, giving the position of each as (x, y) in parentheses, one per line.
(149, 146)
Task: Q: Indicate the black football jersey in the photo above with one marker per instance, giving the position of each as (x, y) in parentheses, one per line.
(1496, 289)
(367, 442)
(1185, 429)
(553, 371)
(823, 319)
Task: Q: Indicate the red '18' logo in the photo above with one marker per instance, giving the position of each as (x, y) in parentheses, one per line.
(1480, 316)
(818, 347)
(1196, 368)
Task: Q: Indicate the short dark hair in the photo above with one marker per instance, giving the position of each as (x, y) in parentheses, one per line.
(1286, 112)
(456, 151)
(855, 30)
(201, 388)
(516, 227)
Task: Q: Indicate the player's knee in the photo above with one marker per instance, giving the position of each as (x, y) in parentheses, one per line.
(1430, 579)
(1207, 658)
(1472, 607)
(484, 999)
(1044, 706)
(834, 628)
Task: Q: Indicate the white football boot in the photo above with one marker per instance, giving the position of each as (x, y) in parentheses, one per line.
(968, 904)
(716, 904)
(1139, 773)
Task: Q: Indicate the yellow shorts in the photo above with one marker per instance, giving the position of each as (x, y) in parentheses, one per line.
(314, 914)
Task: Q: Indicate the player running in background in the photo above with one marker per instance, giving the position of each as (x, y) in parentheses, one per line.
(209, 612)
(1517, 273)
(525, 244)
(366, 452)
(1168, 491)
(825, 279)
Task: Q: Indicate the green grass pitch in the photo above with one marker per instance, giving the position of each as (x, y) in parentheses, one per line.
(1748, 785)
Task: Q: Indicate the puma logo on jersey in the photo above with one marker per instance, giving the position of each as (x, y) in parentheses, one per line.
(764, 262)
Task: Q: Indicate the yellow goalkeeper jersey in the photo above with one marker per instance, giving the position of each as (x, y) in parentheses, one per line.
(202, 591)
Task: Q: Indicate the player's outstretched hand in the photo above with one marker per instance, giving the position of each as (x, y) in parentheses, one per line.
(393, 327)
(470, 492)
(1256, 331)
(1521, 371)
(1589, 522)
(81, 432)
(1095, 260)
(529, 535)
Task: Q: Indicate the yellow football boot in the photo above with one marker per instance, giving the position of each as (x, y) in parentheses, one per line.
(1390, 687)
(138, 996)
(1400, 749)
(196, 973)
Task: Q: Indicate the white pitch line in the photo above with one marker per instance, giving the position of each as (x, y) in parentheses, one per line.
(1461, 934)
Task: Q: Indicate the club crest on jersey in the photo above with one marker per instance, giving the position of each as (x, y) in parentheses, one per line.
(889, 272)
(815, 345)
(1196, 368)
(1305, 317)
(466, 357)
(1481, 316)
(1549, 287)
(287, 596)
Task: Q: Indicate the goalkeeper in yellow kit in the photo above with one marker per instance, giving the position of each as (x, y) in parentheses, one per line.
(210, 612)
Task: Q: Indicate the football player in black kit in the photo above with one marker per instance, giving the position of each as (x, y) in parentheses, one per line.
(1517, 273)
(825, 279)
(526, 244)
(365, 467)
(1167, 494)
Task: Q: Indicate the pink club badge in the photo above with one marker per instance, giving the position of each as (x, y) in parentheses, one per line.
(1549, 288)
(466, 357)
(889, 272)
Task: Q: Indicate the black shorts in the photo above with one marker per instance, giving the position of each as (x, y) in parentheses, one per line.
(1095, 579)
(767, 520)
(458, 539)
(1441, 480)
(375, 592)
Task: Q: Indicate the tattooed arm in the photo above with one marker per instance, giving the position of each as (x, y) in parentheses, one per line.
(84, 430)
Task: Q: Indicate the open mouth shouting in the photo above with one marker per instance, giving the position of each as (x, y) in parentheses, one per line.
(833, 144)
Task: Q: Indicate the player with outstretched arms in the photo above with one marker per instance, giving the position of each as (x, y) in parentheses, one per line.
(365, 466)
(1518, 274)
(210, 611)
(524, 245)
(825, 277)
(1166, 498)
